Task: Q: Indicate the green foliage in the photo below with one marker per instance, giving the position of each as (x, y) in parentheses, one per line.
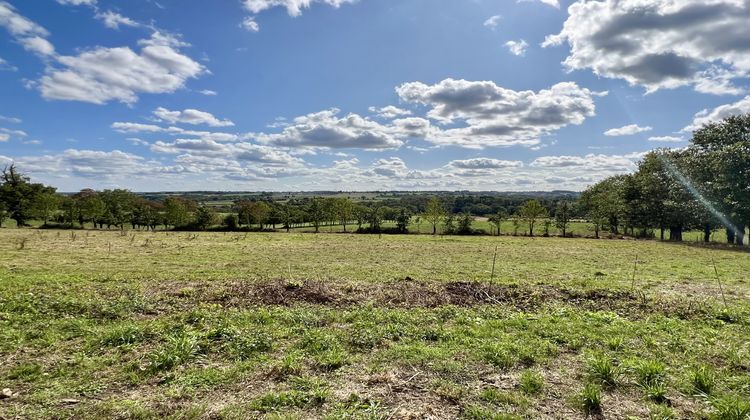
(703, 379)
(531, 382)
(531, 212)
(590, 398)
(730, 408)
(603, 370)
(177, 350)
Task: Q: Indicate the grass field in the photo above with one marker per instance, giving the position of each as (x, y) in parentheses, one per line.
(97, 324)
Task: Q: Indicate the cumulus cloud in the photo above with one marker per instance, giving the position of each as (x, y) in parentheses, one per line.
(293, 7)
(100, 75)
(327, 130)
(14, 133)
(249, 24)
(26, 32)
(92, 164)
(610, 163)
(666, 139)
(496, 116)
(627, 130)
(77, 2)
(485, 163)
(493, 21)
(190, 116)
(13, 120)
(517, 48)
(130, 128)
(660, 44)
(6, 66)
(389, 112)
(553, 3)
(719, 113)
(114, 20)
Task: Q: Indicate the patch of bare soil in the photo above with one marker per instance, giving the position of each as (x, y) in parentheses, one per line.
(410, 293)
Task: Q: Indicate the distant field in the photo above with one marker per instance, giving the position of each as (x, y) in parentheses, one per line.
(191, 325)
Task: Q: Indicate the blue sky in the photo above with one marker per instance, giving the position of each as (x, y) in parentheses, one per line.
(360, 94)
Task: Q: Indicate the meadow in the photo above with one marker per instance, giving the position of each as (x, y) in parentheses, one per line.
(109, 324)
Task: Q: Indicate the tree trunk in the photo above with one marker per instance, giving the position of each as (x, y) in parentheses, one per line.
(740, 238)
(707, 233)
(675, 233)
(434, 229)
(662, 232)
(730, 235)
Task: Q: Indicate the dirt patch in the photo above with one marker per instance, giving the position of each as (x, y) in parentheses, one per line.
(410, 293)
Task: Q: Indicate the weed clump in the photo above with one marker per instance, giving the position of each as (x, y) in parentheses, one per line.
(531, 382)
(590, 398)
(603, 370)
(703, 380)
(178, 349)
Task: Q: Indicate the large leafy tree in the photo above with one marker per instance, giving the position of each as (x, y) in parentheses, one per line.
(604, 204)
(21, 197)
(724, 149)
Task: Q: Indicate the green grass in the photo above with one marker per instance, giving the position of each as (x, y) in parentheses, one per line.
(147, 325)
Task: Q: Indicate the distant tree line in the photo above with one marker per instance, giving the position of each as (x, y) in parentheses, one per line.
(705, 187)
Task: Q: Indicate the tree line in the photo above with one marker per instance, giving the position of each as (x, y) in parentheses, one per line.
(23, 201)
(705, 186)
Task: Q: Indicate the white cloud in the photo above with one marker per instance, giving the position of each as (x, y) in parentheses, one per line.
(29, 34)
(493, 21)
(4, 137)
(129, 127)
(13, 120)
(208, 92)
(104, 74)
(249, 24)
(16, 133)
(627, 130)
(553, 3)
(326, 130)
(485, 163)
(610, 163)
(496, 116)
(38, 45)
(660, 44)
(517, 48)
(666, 139)
(389, 112)
(91, 164)
(190, 116)
(719, 113)
(77, 2)
(113, 20)
(6, 66)
(293, 7)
